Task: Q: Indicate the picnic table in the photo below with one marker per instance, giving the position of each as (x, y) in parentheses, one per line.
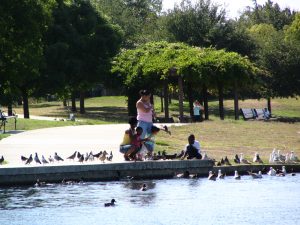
(4, 119)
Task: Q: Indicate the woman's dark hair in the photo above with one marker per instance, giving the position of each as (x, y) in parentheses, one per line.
(132, 120)
(144, 92)
(154, 129)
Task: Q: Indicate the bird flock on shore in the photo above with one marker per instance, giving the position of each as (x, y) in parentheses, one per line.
(76, 156)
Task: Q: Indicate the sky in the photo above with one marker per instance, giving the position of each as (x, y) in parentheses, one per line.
(233, 7)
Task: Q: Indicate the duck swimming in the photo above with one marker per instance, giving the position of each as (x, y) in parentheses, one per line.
(112, 203)
(236, 175)
(144, 187)
(220, 175)
(255, 175)
(211, 176)
(272, 172)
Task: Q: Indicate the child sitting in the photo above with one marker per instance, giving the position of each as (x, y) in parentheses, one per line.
(136, 144)
(192, 149)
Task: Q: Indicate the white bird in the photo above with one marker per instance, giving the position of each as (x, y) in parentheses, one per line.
(236, 175)
(245, 161)
(205, 157)
(220, 175)
(211, 176)
(272, 172)
(256, 175)
(293, 157)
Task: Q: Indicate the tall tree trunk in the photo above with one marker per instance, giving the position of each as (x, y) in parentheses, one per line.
(221, 99)
(162, 101)
(81, 102)
(166, 98)
(25, 104)
(180, 97)
(269, 105)
(73, 98)
(190, 97)
(9, 109)
(65, 102)
(19, 101)
(205, 102)
(236, 102)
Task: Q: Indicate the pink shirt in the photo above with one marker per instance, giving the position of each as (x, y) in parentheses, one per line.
(145, 116)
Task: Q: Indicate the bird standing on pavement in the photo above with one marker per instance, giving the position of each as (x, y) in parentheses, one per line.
(29, 160)
(72, 156)
(23, 158)
(36, 159)
(57, 157)
(44, 161)
(1, 160)
(237, 159)
(109, 158)
(103, 156)
(81, 159)
(51, 160)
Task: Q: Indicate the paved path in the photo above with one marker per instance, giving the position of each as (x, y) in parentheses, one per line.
(64, 141)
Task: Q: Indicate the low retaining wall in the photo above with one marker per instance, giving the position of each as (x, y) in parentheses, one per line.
(103, 172)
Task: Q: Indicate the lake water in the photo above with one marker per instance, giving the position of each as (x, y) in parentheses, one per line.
(271, 200)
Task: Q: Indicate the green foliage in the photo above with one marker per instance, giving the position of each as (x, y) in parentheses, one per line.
(292, 32)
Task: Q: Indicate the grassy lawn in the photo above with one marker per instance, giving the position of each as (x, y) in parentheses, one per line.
(218, 138)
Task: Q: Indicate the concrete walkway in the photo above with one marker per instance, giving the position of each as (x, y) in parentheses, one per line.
(64, 141)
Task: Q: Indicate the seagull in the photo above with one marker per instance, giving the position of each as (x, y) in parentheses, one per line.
(272, 172)
(103, 156)
(36, 159)
(220, 175)
(236, 175)
(57, 157)
(72, 156)
(44, 161)
(109, 158)
(51, 160)
(1, 160)
(144, 187)
(211, 176)
(112, 203)
(242, 160)
(29, 160)
(237, 159)
(23, 158)
(255, 175)
(293, 157)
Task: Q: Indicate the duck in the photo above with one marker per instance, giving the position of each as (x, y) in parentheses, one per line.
(57, 157)
(242, 160)
(282, 172)
(39, 183)
(226, 161)
(272, 172)
(255, 175)
(44, 161)
(212, 176)
(237, 159)
(220, 175)
(257, 159)
(29, 160)
(72, 156)
(144, 187)
(222, 162)
(236, 175)
(111, 203)
(36, 159)
(186, 174)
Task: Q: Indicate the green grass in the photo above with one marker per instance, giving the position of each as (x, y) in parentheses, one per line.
(218, 138)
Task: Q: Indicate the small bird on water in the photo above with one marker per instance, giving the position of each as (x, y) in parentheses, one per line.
(112, 203)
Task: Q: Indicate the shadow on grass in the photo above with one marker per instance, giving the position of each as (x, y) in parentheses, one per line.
(43, 105)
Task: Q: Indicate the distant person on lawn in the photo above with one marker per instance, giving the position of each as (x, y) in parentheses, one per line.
(126, 145)
(197, 111)
(192, 149)
(145, 113)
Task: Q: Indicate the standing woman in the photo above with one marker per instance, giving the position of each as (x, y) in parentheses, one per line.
(145, 113)
(197, 111)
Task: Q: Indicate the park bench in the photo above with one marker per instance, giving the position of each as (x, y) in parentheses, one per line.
(164, 120)
(248, 113)
(4, 119)
(262, 114)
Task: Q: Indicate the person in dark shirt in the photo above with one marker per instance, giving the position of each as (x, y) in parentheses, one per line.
(191, 151)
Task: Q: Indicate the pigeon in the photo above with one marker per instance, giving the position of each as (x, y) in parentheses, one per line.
(255, 175)
(98, 154)
(81, 159)
(72, 156)
(237, 159)
(103, 156)
(86, 158)
(78, 155)
(236, 175)
(112, 203)
(109, 158)
(212, 176)
(51, 160)
(29, 160)
(36, 159)
(57, 157)
(23, 158)
(1, 160)
(44, 161)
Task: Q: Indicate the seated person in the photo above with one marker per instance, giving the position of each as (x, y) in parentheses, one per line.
(192, 149)
(125, 146)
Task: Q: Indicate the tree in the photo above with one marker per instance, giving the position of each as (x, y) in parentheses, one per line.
(80, 46)
(23, 24)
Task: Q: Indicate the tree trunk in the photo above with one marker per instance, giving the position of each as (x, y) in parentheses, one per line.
(81, 102)
(166, 97)
(73, 98)
(19, 101)
(269, 105)
(65, 102)
(236, 102)
(221, 99)
(180, 97)
(9, 110)
(25, 104)
(190, 97)
(205, 102)
(162, 101)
